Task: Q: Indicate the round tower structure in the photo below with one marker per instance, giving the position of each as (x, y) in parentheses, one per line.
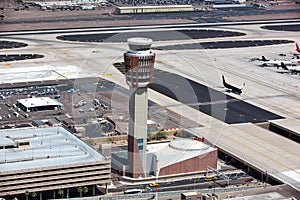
(139, 66)
(139, 62)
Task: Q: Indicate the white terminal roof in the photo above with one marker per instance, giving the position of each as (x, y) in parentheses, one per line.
(288, 125)
(4, 141)
(40, 101)
(41, 73)
(47, 147)
(178, 150)
(151, 7)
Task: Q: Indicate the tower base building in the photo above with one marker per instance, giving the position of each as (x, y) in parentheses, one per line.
(180, 156)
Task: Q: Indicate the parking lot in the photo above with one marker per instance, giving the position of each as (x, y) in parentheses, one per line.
(76, 103)
(97, 105)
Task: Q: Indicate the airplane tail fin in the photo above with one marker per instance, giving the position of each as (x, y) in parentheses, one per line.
(297, 47)
(224, 82)
(263, 58)
(283, 66)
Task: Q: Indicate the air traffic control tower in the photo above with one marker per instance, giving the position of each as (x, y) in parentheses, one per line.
(139, 64)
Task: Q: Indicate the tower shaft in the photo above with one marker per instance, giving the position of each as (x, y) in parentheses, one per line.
(137, 131)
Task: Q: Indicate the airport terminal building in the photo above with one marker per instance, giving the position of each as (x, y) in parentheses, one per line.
(154, 9)
(47, 160)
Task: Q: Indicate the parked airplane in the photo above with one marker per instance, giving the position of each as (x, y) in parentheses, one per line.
(276, 63)
(293, 70)
(263, 58)
(231, 88)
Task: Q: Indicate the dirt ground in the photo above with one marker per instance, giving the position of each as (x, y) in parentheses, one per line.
(265, 17)
(76, 19)
(21, 20)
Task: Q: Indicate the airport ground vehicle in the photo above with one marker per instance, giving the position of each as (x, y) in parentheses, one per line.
(153, 184)
(209, 178)
(249, 179)
(133, 191)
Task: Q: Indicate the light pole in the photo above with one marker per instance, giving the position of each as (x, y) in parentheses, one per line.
(157, 172)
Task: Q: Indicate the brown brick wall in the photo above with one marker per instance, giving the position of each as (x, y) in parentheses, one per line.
(198, 163)
(134, 158)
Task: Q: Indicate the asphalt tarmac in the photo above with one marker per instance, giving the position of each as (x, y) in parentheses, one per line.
(223, 44)
(13, 57)
(211, 102)
(293, 27)
(207, 100)
(197, 16)
(161, 35)
(154, 35)
(10, 44)
(198, 96)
